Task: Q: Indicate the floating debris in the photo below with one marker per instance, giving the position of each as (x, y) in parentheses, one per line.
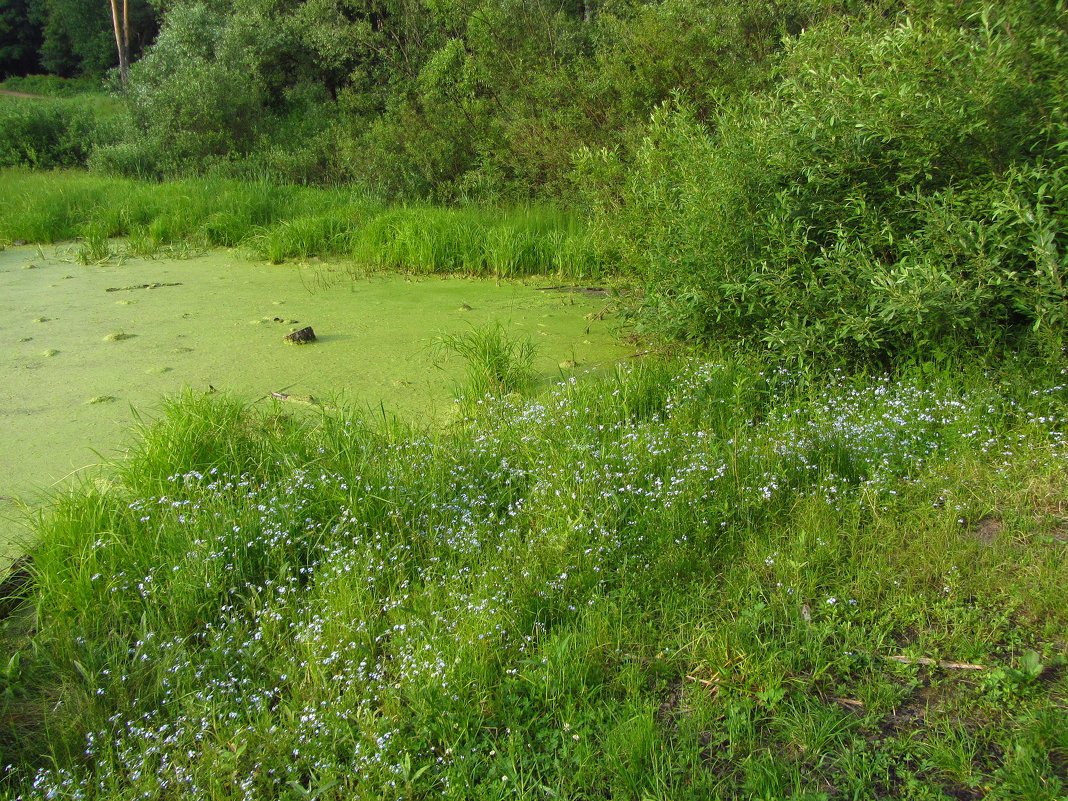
(118, 336)
(594, 291)
(101, 399)
(285, 396)
(139, 286)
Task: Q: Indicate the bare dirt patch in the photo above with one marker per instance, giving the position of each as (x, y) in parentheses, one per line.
(987, 529)
(10, 93)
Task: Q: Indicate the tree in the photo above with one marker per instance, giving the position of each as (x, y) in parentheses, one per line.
(20, 37)
(79, 38)
(122, 38)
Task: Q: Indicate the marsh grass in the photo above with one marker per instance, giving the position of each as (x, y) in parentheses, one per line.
(287, 223)
(433, 239)
(496, 362)
(684, 581)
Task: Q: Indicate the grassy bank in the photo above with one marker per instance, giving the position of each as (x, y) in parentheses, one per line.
(694, 580)
(281, 223)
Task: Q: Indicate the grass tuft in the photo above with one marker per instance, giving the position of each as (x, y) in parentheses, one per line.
(497, 363)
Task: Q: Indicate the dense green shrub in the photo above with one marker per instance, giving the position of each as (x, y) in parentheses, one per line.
(239, 90)
(902, 187)
(51, 133)
(426, 100)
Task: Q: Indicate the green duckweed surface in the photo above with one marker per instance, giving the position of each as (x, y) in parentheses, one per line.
(79, 360)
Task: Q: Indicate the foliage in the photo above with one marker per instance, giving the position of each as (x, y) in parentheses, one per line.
(77, 37)
(901, 189)
(497, 363)
(20, 37)
(486, 100)
(51, 133)
(476, 240)
(52, 85)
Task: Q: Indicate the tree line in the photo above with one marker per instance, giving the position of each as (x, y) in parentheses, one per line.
(70, 38)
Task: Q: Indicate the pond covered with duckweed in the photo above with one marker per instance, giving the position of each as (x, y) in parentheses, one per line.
(85, 349)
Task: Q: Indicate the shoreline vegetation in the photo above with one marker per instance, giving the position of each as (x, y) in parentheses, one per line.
(288, 223)
(813, 546)
(698, 578)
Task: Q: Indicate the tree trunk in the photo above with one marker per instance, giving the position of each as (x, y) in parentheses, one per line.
(122, 37)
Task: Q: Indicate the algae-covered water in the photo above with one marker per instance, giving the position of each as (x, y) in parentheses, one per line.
(83, 347)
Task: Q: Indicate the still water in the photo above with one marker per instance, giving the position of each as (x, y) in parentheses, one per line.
(83, 348)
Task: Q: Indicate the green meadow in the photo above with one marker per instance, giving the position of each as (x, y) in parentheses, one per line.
(693, 578)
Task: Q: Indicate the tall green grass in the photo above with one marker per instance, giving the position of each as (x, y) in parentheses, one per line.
(53, 86)
(432, 239)
(282, 223)
(497, 363)
(688, 581)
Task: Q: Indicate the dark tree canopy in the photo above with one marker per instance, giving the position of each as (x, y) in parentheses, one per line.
(20, 37)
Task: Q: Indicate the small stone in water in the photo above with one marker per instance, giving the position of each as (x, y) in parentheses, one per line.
(301, 337)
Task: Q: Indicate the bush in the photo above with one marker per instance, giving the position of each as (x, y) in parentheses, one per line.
(50, 133)
(901, 188)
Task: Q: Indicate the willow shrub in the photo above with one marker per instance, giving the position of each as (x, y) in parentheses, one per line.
(902, 187)
(54, 132)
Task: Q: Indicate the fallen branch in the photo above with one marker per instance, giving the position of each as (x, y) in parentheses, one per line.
(923, 660)
(283, 396)
(706, 682)
(584, 290)
(848, 702)
(137, 286)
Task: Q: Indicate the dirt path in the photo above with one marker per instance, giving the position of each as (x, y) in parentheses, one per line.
(9, 93)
